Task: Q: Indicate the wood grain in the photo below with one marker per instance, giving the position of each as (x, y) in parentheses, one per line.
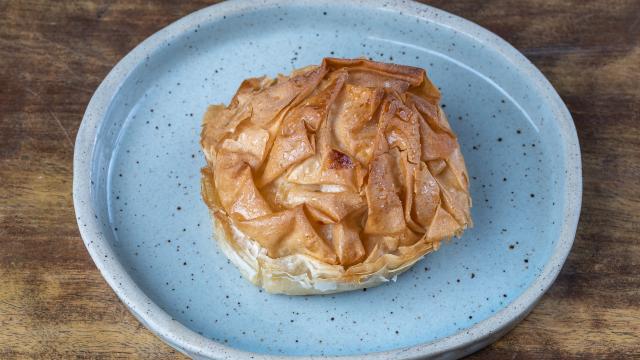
(55, 304)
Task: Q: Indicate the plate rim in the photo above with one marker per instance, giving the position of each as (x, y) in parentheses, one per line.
(197, 346)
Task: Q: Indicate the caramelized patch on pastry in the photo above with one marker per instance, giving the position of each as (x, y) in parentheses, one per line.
(338, 160)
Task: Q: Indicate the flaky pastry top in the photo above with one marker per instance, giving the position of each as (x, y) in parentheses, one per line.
(345, 162)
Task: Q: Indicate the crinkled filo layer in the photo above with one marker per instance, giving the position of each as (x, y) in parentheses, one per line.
(336, 177)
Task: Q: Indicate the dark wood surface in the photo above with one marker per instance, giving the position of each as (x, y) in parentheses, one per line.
(53, 55)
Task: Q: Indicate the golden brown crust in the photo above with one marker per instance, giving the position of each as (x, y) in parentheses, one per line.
(339, 175)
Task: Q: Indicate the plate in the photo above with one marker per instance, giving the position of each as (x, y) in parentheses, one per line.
(137, 184)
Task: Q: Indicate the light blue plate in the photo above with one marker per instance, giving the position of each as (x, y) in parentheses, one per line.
(137, 184)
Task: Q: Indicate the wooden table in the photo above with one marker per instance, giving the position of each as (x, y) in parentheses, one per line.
(53, 55)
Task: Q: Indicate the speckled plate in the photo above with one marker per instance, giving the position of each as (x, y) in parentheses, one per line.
(137, 185)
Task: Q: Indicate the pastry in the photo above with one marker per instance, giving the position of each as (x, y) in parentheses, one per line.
(337, 177)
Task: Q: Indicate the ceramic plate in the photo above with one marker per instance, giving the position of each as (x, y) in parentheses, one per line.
(137, 184)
